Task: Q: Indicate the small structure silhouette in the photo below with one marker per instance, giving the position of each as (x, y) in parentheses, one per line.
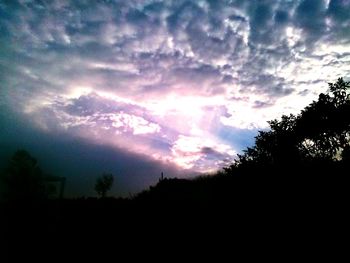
(52, 181)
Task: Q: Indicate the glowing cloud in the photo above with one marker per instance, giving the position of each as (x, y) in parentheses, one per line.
(181, 82)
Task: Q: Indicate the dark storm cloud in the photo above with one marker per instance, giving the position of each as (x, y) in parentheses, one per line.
(339, 10)
(261, 22)
(79, 160)
(266, 83)
(310, 16)
(211, 153)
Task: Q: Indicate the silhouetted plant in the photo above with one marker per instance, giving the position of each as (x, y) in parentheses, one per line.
(325, 123)
(104, 184)
(23, 178)
(320, 131)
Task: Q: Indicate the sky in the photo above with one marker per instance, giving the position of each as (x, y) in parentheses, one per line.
(141, 87)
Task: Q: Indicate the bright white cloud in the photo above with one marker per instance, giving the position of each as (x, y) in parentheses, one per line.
(188, 152)
(137, 124)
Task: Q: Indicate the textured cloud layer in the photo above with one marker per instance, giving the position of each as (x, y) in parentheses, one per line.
(182, 82)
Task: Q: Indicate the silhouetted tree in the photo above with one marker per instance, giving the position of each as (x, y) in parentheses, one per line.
(275, 146)
(320, 131)
(345, 155)
(324, 125)
(23, 178)
(104, 184)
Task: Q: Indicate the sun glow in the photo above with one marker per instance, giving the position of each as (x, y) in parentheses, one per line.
(183, 105)
(78, 91)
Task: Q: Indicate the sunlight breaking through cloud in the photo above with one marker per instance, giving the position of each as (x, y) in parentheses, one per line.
(169, 79)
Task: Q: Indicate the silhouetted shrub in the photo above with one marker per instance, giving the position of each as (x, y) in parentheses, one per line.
(23, 179)
(104, 184)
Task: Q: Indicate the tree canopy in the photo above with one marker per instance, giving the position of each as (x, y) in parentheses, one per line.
(104, 184)
(23, 179)
(320, 132)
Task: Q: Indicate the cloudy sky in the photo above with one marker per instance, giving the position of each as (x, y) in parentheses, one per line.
(142, 86)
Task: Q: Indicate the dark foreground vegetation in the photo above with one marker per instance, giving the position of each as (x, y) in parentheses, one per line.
(294, 177)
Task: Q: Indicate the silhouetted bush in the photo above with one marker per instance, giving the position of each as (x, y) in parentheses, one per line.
(104, 184)
(23, 179)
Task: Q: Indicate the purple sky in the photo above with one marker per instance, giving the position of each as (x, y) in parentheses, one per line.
(146, 86)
